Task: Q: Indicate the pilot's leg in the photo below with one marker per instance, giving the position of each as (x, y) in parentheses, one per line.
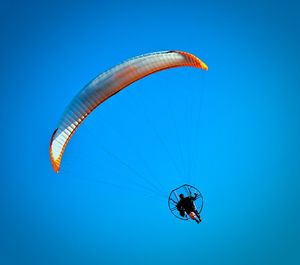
(198, 215)
(193, 217)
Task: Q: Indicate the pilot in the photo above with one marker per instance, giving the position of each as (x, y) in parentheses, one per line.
(187, 205)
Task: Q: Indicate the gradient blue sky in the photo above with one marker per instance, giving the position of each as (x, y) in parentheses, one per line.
(232, 131)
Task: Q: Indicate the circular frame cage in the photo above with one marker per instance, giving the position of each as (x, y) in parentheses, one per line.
(187, 190)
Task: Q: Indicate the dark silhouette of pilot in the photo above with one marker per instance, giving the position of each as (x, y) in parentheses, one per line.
(187, 205)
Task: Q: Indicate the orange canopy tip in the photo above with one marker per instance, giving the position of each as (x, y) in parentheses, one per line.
(204, 66)
(199, 63)
(55, 162)
(55, 165)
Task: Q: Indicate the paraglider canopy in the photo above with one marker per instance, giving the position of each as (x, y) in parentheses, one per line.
(186, 190)
(108, 84)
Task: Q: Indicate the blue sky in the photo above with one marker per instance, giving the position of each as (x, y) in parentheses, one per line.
(232, 131)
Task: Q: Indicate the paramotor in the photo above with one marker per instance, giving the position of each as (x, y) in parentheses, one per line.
(188, 191)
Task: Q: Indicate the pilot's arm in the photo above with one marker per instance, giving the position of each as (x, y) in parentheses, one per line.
(194, 197)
